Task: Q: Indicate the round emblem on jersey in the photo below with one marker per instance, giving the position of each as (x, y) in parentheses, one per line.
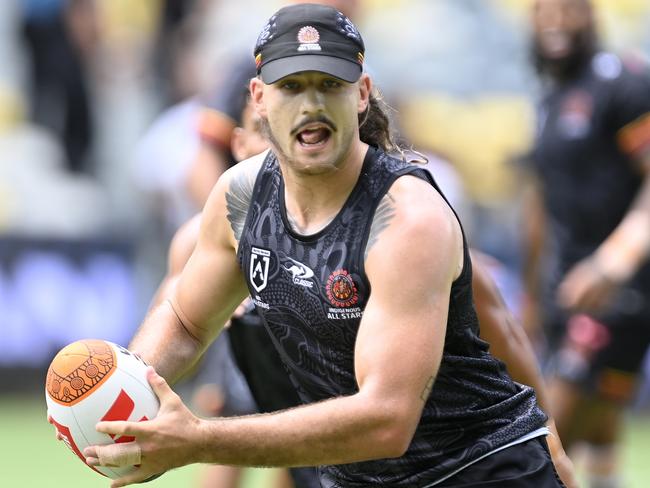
(341, 290)
(308, 35)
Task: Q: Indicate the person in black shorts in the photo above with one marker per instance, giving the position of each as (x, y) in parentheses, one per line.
(362, 276)
(592, 160)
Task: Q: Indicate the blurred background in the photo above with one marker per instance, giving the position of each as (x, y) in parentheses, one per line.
(99, 102)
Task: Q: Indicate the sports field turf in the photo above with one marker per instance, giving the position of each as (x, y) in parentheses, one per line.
(31, 457)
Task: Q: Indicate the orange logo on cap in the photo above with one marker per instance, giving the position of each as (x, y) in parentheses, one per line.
(308, 35)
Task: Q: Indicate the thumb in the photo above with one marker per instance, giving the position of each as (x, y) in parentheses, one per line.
(160, 387)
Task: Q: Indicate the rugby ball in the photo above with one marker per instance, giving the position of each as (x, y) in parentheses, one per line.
(92, 380)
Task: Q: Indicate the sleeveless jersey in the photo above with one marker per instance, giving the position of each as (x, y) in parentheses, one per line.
(311, 292)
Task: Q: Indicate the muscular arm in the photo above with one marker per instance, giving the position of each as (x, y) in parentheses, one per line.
(191, 314)
(380, 419)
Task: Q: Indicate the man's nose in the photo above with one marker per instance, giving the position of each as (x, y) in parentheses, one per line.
(313, 101)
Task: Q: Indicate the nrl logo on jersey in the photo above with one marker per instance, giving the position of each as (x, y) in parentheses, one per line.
(300, 274)
(258, 272)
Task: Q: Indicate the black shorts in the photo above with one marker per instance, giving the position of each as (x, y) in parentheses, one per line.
(525, 465)
(603, 357)
(258, 360)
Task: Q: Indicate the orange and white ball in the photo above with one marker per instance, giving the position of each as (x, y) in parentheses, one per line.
(93, 380)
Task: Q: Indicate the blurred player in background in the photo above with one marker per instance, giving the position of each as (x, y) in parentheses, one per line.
(592, 158)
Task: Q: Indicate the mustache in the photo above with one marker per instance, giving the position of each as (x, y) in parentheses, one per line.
(310, 120)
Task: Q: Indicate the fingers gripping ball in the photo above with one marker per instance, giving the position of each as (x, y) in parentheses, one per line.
(93, 380)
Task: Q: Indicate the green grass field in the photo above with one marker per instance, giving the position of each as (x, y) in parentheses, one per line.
(31, 457)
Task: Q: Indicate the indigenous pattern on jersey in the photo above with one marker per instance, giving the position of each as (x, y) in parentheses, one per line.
(312, 291)
(590, 129)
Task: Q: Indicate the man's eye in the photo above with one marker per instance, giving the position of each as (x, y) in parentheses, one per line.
(332, 84)
(289, 85)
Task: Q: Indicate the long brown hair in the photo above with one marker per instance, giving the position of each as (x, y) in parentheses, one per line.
(375, 129)
(374, 124)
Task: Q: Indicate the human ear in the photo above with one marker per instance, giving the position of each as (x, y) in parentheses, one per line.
(256, 88)
(365, 88)
(237, 144)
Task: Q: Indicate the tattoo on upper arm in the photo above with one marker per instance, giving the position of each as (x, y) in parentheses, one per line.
(382, 218)
(238, 199)
(427, 389)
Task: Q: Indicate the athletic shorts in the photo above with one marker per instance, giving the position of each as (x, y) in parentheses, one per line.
(258, 360)
(525, 465)
(603, 357)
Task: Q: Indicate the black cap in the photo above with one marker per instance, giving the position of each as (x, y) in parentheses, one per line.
(309, 37)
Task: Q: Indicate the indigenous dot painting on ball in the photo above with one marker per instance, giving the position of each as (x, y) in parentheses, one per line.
(77, 369)
(90, 381)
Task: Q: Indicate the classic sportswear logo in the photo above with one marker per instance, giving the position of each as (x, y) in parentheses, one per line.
(300, 273)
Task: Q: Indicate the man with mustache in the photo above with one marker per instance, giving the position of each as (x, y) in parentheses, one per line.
(378, 332)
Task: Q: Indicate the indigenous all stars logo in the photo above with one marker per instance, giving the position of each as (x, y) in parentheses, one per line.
(308, 35)
(341, 290)
(308, 38)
